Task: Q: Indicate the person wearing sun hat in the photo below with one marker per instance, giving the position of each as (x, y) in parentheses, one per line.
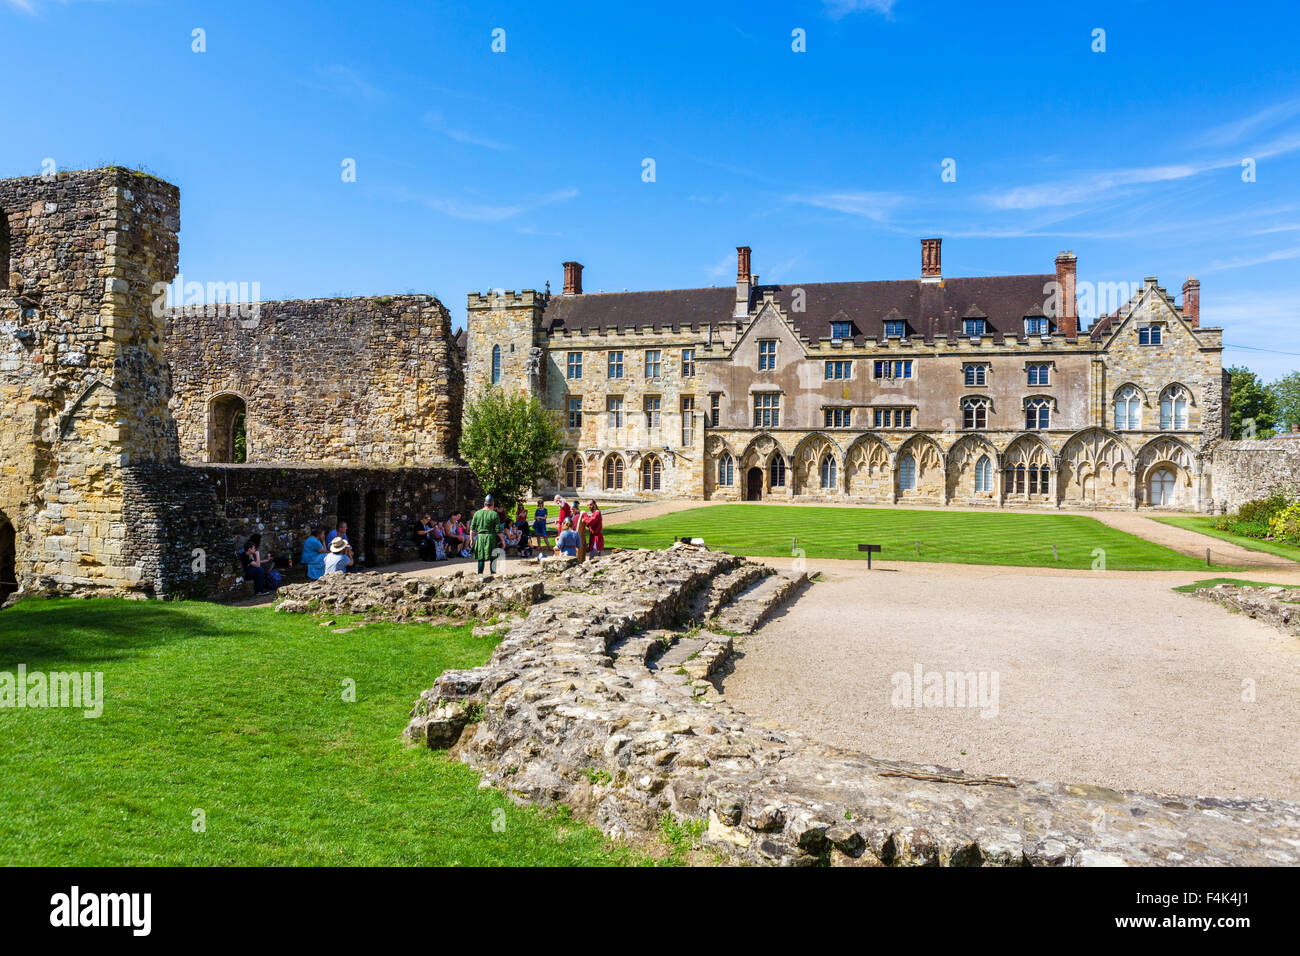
(340, 557)
(485, 527)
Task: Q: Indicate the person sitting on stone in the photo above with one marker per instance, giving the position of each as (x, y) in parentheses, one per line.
(464, 536)
(338, 531)
(569, 540)
(251, 562)
(425, 540)
(513, 537)
(313, 554)
(340, 557)
(439, 541)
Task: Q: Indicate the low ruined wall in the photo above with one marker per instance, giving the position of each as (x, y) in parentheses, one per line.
(567, 711)
(1275, 605)
(172, 512)
(1245, 470)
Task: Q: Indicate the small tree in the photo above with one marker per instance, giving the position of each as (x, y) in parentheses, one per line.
(1286, 399)
(1251, 414)
(510, 442)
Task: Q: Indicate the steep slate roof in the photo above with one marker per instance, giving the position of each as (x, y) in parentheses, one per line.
(929, 308)
(629, 310)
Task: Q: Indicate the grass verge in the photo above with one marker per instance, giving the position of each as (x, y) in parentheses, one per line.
(1205, 526)
(238, 717)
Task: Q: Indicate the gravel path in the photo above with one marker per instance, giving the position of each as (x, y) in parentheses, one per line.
(1108, 678)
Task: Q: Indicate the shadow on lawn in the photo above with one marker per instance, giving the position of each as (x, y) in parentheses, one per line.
(41, 631)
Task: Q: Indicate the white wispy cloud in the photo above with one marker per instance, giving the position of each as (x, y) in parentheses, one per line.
(343, 80)
(434, 120)
(1242, 262)
(475, 211)
(1092, 186)
(877, 206)
(1231, 132)
(721, 267)
(26, 6)
(835, 9)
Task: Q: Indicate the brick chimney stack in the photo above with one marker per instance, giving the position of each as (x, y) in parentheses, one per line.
(1067, 319)
(1192, 301)
(930, 264)
(744, 281)
(573, 278)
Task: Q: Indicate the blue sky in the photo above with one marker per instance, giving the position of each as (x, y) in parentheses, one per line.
(477, 169)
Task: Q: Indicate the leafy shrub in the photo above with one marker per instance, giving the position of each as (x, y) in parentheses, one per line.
(1249, 529)
(1262, 510)
(1285, 525)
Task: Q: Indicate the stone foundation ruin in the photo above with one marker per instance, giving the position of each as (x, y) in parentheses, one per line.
(600, 700)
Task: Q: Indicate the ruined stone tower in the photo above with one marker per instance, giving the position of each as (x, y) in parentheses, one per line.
(83, 382)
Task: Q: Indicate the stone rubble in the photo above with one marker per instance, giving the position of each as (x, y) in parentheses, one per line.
(574, 708)
(1275, 605)
(399, 598)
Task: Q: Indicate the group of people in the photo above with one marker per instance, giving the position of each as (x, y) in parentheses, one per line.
(327, 552)
(445, 538)
(492, 527)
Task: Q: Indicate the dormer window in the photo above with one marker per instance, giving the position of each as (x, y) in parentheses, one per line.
(895, 330)
(841, 330)
(973, 328)
(1150, 335)
(1036, 325)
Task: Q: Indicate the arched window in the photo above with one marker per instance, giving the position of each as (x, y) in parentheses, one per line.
(228, 430)
(573, 471)
(613, 473)
(1128, 408)
(726, 470)
(776, 472)
(1173, 408)
(975, 413)
(1016, 480)
(1162, 487)
(828, 471)
(496, 365)
(1038, 479)
(1038, 413)
(906, 473)
(651, 474)
(983, 474)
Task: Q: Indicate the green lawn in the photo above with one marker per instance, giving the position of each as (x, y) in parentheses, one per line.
(963, 537)
(1205, 525)
(240, 713)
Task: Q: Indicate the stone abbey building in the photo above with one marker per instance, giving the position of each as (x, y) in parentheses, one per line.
(934, 390)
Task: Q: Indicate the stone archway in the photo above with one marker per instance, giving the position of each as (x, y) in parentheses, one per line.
(228, 429)
(754, 484)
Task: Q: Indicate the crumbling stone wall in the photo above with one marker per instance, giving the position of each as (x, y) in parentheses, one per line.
(1245, 470)
(322, 381)
(187, 522)
(83, 381)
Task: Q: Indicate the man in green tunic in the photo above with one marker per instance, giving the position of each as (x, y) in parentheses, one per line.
(486, 529)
